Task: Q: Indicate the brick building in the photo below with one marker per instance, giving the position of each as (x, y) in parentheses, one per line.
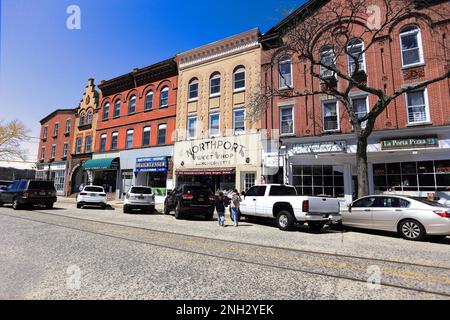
(409, 150)
(134, 135)
(86, 119)
(56, 138)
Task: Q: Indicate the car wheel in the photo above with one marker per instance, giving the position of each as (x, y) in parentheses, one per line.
(178, 214)
(16, 204)
(412, 230)
(316, 226)
(49, 205)
(125, 209)
(79, 205)
(166, 210)
(103, 206)
(285, 220)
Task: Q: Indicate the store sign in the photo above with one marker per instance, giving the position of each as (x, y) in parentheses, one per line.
(319, 147)
(408, 143)
(273, 161)
(218, 152)
(151, 164)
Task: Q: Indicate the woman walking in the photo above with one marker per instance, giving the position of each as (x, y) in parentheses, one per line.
(235, 205)
(220, 208)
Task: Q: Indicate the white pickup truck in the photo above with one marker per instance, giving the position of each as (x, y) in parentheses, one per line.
(282, 203)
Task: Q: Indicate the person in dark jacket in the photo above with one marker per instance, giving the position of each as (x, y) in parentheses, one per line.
(219, 204)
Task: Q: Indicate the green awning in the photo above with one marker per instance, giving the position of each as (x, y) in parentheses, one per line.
(102, 164)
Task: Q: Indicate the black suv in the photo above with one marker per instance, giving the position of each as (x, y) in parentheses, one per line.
(192, 200)
(23, 193)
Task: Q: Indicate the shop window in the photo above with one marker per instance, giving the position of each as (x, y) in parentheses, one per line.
(330, 116)
(103, 142)
(285, 71)
(239, 79)
(287, 120)
(319, 180)
(114, 139)
(239, 121)
(192, 127)
(164, 97)
(249, 180)
(149, 100)
(105, 111)
(129, 140)
(146, 137)
(214, 85)
(117, 107)
(417, 106)
(193, 90)
(214, 125)
(411, 46)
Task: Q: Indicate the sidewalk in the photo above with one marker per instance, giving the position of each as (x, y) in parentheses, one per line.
(116, 204)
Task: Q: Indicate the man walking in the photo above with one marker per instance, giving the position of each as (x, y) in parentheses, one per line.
(235, 205)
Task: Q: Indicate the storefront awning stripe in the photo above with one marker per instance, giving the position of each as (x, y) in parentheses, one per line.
(101, 164)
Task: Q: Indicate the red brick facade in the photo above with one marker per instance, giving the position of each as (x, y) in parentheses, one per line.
(384, 69)
(138, 84)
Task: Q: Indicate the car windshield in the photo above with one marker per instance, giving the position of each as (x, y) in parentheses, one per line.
(93, 189)
(41, 185)
(141, 190)
(428, 202)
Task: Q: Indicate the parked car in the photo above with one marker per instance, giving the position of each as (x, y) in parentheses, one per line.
(92, 196)
(27, 193)
(190, 200)
(413, 218)
(141, 198)
(282, 203)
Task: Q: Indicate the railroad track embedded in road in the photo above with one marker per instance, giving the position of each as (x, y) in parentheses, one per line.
(397, 270)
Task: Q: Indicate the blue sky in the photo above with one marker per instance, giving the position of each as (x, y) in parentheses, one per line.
(45, 66)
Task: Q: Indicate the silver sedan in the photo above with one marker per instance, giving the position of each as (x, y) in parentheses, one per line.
(413, 218)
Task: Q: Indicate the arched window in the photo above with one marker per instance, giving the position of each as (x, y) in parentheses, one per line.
(326, 59)
(239, 79)
(411, 46)
(149, 100)
(355, 52)
(117, 107)
(285, 72)
(82, 119)
(214, 84)
(193, 89)
(89, 117)
(132, 105)
(164, 97)
(106, 111)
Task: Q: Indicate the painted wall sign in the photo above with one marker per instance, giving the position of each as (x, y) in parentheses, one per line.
(318, 147)
(408, 143)
(158, 164)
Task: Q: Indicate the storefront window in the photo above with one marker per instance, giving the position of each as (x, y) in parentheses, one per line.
(59, 180)
(319, 180)
(412, 176)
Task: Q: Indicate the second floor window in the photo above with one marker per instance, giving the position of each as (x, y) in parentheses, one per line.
(87, 144)
(239, 121)
(214, 85)
(106, 111)
(149, 100)
(193, 89)
(417, 107)
(330, 116)
(132, 105)
(53, 151)
(411, 46)
(287, 120)
(114, 139)
(78, 144)
(103, 142)
(117, 107)
(146, 136)
(285, 71)
(162, 131)
(214, 125)
(68, 125)
(192, 127)
(239, 79)
(55, 130)
(65, 149)
(129, 141)
(164, 97)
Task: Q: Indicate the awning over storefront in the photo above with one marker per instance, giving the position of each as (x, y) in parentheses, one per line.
(102, 164)
(203, 172)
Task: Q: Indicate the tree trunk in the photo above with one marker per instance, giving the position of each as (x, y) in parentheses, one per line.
(362, 168)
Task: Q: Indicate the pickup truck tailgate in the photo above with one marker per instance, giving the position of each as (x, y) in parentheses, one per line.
(323, 205)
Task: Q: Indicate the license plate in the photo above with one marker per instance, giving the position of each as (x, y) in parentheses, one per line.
(201, 199)
(92, 195)
(141, 198)
(42, 193)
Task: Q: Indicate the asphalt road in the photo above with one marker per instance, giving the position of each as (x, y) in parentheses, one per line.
(68, 253)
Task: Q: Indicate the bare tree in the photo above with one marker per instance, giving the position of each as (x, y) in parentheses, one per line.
(331, 40)
(12, 134)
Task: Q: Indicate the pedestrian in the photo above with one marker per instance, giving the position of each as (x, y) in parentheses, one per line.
(235, 205)
(219, 205)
